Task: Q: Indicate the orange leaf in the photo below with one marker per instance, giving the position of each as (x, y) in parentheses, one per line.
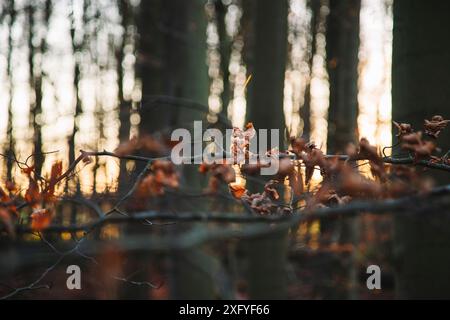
(56, 171)
(54, 175)
(32, 195)
(203, 168)
(28, 170)
(237, 190)
(40, 219)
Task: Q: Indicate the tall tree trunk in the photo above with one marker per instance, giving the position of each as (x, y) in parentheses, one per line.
(36, 83)
(248, 35)
(267, 256)
(420, 82)
(31, 51)
(124, 105)
(172, 61)
(269, 61)
(9, 70)
(95, 56)
(150, 70)
(157, 54)
(36, 98)
(305, 110)
(195, 71)
(224, 51)
(76, 49)
(342, 46)
(193, 269)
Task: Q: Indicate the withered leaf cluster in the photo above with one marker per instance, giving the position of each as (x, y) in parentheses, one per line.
(361, 173)
(345, 180)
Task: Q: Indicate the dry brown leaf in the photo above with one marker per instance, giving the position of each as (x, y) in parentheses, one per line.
(434, 126)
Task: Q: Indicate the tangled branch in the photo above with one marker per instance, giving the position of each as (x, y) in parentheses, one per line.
(343, 192)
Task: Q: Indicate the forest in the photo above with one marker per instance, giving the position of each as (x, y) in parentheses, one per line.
(224, 150)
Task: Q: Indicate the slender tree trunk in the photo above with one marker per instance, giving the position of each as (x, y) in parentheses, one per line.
(342, 48)
(248, 35)
(9, 69)
(305, 110)
(99, 112)
(36, 83)
(124, 105)
(36, 98)
(224, 50)
(76, 49)
(267, 256)
(39, 87)
(31, 50)
(420, 82)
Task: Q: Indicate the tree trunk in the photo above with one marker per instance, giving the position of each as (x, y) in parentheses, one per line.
(124, 105)
(9, 69)
(190, 281)
(224, 51)
(305, 110)
(420, 82)
(266, 272)
(76, 49)
(342, 45)
(172, 62)
(270, 46)
(36, 97)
